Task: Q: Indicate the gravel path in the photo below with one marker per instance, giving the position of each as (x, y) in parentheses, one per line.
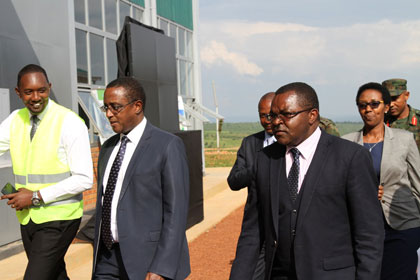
(213, 251)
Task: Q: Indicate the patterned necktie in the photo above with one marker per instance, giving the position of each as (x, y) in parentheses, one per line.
(35, 122)
(293, 178)
(109, 193)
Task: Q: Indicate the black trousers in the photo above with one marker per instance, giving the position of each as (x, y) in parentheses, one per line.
(45, 246)
(400, 253)
(109, 264)
(259, 272)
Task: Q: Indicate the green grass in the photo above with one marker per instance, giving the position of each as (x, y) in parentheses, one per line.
(347, 127)
(232, 135)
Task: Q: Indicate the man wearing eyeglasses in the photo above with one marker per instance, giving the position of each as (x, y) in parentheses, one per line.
(313, 201)
(143, 192)
(52, 164)
(242, 171)
(241, 174)
(401, 115)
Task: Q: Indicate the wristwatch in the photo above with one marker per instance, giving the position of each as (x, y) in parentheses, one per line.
(35, 199)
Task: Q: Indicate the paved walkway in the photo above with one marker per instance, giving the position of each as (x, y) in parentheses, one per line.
(219, 202)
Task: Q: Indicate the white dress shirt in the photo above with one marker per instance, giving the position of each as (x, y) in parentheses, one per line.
(268, 139)
(307, 150)
(134, 137)
(74, 150)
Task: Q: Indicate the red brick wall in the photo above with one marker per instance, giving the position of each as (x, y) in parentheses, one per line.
(89, 196)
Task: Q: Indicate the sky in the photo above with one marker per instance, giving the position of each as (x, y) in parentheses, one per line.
(249, 48)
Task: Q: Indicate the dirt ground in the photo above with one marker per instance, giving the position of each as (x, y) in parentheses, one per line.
(213, 251)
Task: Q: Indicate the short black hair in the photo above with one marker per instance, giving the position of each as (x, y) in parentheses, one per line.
(31, 68)
(386, 97)
(307, 95)
(133, 88)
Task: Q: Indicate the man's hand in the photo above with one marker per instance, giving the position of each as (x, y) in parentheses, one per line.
(380, 192)
(20, 200)
(153, 276)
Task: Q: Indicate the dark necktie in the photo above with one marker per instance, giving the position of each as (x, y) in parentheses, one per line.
(35, 122)
(109, 193)
(293, 178)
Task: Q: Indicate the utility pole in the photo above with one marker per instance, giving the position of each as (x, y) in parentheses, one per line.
(217, 112)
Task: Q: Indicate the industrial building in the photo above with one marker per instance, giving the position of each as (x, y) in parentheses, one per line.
(75, 41)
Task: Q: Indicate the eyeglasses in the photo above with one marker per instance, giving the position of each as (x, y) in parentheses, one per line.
(372, 104)
(116, 108)
(265, 116)
(286, 115)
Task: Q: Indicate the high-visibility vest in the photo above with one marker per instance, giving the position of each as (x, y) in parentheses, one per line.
(36, 164)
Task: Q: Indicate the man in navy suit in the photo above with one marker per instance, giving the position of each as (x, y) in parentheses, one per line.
(313, 201)
(143, 192)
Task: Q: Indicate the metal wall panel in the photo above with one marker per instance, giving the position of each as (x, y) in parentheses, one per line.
(153, 62)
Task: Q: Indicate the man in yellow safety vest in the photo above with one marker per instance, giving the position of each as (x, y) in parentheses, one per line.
(52, 165)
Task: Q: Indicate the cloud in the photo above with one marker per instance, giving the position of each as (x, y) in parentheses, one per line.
(216, 52)
(336, 60)
(302, 49)
(247, 29)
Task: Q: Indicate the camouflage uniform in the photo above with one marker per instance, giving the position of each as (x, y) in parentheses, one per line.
(410, 123)
(329, 126)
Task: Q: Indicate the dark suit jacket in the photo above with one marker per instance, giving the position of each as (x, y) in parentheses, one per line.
(241, 174)
(153, 206)
(339, 231)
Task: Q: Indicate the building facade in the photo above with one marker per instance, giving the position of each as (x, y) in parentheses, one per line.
(74, 40)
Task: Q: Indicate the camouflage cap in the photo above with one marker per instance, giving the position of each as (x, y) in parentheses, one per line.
(395, 86)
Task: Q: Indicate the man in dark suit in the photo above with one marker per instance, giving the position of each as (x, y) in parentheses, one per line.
(242, 171)
(143, 190)
(313, 201)
(241, 174)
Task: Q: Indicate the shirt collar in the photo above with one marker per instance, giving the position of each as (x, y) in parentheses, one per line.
(135, 134)
(42, 114)
(308, 146)
(266, 135)
(268, 139)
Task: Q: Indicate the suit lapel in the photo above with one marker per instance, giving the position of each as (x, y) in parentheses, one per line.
(141, 147)
(277, 176)
(107, 151)
(313, 175)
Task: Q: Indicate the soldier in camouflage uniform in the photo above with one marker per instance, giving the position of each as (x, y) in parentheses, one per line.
(401, 115)
(329, 126)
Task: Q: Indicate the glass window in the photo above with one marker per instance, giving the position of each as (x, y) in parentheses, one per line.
(111, 53)
(138, 14)
(81, 57)
(189, 45)
(172, 33)
(111, 16)
(97, 59)
(181, 42)
(79, 11)
(95, 13)
(172, 30)
(91, 107)
(190, 76)
(124, 11)
(164, 26)
(182, 78)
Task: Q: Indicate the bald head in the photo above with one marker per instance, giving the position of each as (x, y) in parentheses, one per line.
(264, 108)
(269, 96)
